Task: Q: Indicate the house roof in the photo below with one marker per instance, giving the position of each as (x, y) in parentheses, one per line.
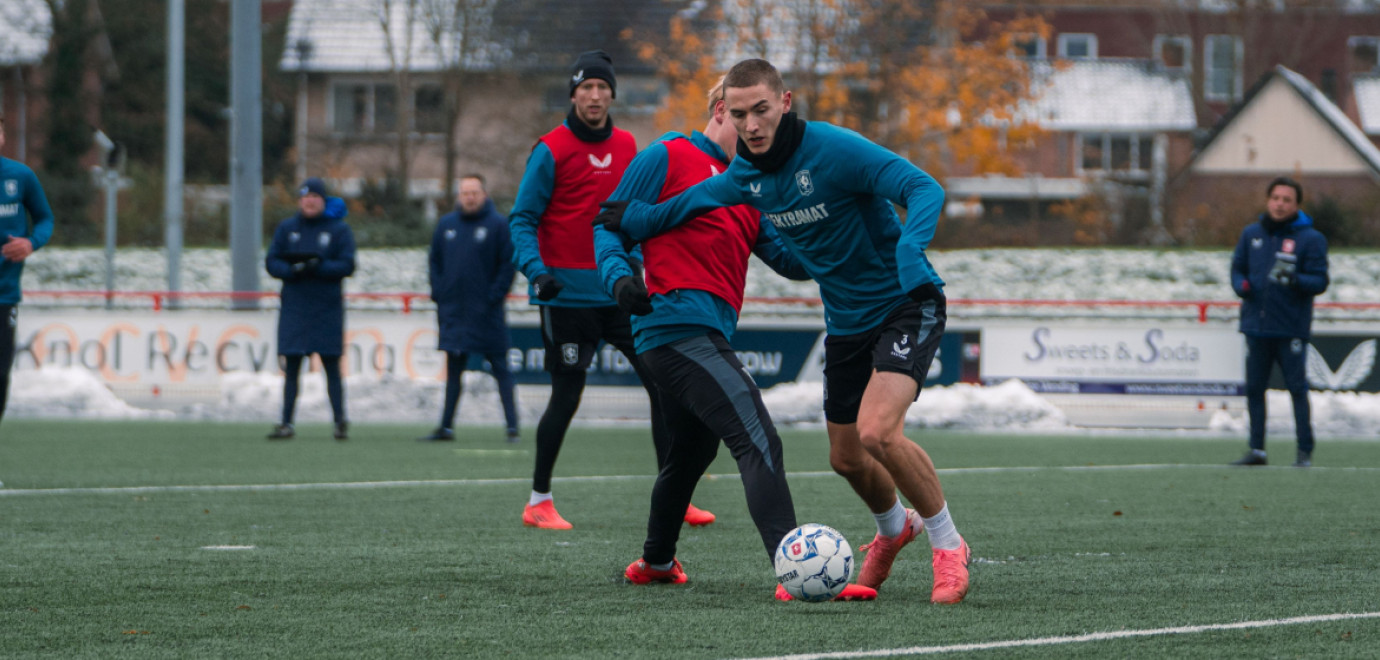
(1109, 95)
(25, 28)
(1326, 110)
(347, 36)
(1367, 94)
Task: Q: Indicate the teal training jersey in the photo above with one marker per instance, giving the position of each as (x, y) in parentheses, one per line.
(24, 213)
(831, 204)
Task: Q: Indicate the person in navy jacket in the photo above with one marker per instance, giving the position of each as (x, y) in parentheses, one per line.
(1279, 266)
(312, 252)
(471, 270)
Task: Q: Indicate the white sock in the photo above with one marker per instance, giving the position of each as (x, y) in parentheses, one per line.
(661, 567)
(538, 498)
(943, 534)
(893, 521)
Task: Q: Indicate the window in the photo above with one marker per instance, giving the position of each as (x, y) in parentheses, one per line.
(637, 95)
(1117, 153)
(1174, 53)
(363, 108)
(1365, 53)
(1030, 46)
(1222, 56)
(430, 105)
(1077, 46)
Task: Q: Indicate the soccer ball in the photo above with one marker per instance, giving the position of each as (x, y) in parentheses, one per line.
(814, 563)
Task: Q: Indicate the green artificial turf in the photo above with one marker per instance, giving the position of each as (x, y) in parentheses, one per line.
(390, 548)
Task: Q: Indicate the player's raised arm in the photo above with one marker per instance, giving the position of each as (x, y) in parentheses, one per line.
(642, 181)
(886, 174)
(771, 249)
(640, 220)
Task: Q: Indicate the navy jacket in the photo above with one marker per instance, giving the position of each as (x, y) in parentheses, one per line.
(312, 318)
(471, 271)
(1270, 309)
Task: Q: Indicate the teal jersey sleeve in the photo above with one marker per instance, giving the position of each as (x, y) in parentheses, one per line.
(40, 214)
(775, 255)
(534, 194)
(885, 174)
(642, 220)
(642, 181)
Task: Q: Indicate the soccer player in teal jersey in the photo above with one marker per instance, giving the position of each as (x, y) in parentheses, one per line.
(829, 193)
(20, 196)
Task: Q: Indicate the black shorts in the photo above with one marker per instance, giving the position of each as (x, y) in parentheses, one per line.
(571, 335)
(905, 342)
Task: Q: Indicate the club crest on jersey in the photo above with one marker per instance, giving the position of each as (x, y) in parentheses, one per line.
(481, 233)
(601, 163)
(1257, 242)
(803, 182)
(324, 239)
(11, 187)
(570, 354)
(450, 234)
(293, 237)
(1288, 246)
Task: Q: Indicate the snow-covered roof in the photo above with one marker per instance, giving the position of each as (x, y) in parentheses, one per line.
(347, 36)
(1109, 95)
(1367, 90)
(25, 28)
(1333, 114)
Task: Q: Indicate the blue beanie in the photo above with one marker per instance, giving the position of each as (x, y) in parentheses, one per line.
(313, 186)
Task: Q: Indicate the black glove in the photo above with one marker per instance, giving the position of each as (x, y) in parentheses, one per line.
(611, 215)
(631, 294)
(306, 266)
(636, 265)
(925, 293)
(547, 287)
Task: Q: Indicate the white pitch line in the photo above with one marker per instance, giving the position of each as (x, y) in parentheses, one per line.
(365, 485)
(227, 547)
(1073, 639)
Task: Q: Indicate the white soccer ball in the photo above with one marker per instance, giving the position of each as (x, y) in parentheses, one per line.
(814, 563)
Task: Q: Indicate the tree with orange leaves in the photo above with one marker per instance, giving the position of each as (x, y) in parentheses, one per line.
(934, 81)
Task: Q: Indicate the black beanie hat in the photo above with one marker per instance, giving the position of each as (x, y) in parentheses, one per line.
(593, 64)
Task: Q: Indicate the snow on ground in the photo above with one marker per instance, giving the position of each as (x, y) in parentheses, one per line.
(1052, 274)
(997, 273)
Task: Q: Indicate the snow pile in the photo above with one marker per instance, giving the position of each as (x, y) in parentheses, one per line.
(71, 393)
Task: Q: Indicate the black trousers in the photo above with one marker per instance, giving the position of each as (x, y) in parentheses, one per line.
(705, 396)
(1291, 353)
(9, 321)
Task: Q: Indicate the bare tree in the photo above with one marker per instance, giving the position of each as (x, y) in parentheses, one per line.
(398, 19)
(459, 33)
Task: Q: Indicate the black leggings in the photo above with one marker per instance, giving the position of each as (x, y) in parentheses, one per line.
(566, 390)
(9, 318)
(335, 389)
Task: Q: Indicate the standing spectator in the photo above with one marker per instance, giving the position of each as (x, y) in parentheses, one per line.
(311, 253)
(829, 193)
(20, 193)
(570, 171)
(471, 270)
(1279, 266)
